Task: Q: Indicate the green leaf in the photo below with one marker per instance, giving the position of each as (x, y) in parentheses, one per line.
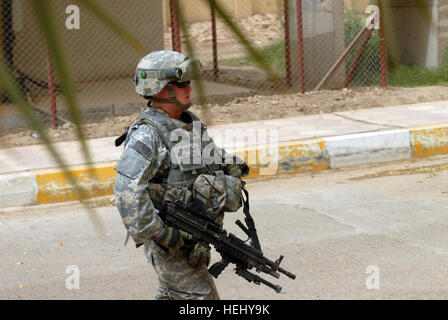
(49, 28)
(19, 102)
(116, 27)
(254, 53)
(199, 86)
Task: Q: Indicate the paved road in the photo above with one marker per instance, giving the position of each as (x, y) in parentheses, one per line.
(332, 227)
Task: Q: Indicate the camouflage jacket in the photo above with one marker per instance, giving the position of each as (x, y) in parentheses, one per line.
(148, 173)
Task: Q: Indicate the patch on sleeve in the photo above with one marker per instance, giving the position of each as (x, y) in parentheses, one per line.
(135, 160)
(143, 149)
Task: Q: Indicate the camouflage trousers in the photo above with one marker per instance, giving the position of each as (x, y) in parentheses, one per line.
(177, 279)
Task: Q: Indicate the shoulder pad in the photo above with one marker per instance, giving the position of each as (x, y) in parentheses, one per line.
(136, 158)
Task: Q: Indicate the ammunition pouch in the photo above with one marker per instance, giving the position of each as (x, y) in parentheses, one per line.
(220, 193)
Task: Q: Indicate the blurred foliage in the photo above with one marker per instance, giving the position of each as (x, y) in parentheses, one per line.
(273, 54)
(270, 58)
(42, 10)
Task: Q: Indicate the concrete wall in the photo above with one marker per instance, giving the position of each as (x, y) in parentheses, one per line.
(94, 52)
(443, 30)
(357, 5)
(416, 37)
(323, 31)
(198, 10)
(417, 41)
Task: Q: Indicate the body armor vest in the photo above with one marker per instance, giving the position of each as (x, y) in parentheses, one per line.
(186, 141)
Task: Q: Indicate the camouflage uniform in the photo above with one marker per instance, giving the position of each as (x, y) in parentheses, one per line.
(146, 178)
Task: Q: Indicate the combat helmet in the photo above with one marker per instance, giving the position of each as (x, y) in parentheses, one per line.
(159, 69)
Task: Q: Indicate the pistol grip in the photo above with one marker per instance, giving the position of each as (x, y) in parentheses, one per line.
(216, 269)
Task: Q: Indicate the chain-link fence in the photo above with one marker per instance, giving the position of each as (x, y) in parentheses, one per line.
(102, 65)
(301, 41)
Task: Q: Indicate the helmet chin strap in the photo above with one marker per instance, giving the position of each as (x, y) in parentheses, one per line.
(172, 99)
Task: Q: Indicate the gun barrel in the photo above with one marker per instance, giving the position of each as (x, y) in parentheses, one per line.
(287, 273)
(257, 280)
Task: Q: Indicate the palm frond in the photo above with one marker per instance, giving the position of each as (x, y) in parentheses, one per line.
(113, 25)
(42, 10)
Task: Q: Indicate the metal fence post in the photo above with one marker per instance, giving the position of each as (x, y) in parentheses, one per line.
(300, 46)
(341, 58)
(214, 40)
(383, 46)
(287, 48)
(51, 92)
(175, 32)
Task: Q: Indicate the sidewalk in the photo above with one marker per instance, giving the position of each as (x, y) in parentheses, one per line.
(28, 175)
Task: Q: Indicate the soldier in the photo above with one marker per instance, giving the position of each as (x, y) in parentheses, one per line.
(168, 156)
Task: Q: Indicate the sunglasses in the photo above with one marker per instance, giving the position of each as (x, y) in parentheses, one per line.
(181, 85)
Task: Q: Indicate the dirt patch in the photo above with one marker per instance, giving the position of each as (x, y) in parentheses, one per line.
(257, 107)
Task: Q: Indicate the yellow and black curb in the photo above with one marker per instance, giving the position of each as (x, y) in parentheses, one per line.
(50, 186)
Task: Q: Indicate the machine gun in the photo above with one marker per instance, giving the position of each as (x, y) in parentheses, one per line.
(202, 227)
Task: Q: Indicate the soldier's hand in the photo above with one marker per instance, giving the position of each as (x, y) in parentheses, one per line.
(199, 255)
(237, 170)
(197, 205)
(172, 239)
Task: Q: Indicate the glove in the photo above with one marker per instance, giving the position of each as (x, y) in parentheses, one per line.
(200, 255)
(197, 205)
(237, 170)
(172, 239)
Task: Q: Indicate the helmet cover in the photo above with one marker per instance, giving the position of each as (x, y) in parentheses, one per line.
(157, 69)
